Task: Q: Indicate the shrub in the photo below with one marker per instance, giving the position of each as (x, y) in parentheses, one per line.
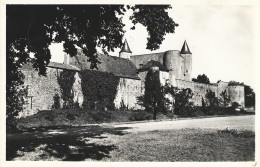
(212, 99)
(181, 100)
(123, 107)
(235, 105)
(140, 116)
(70, 117)
(49, 117)
(101, 116)
(197, 111)
(225, 98)
(56, 103)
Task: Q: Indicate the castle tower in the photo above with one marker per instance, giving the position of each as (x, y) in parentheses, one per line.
(187, 55)
(125, 51)
(66, 59)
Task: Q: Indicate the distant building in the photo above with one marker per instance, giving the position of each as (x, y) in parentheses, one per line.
(175, 68)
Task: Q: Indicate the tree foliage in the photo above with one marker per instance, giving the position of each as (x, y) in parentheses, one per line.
(99, 86)
(212, 100)
(182, 103)
(249, 96)
(153, 95)
(35, 27)
(201, 79)
(225, 98)
(66, 80)
(235, 83)
(15, 93)
(156, 20)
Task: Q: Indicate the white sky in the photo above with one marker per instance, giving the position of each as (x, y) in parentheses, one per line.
(220, 37)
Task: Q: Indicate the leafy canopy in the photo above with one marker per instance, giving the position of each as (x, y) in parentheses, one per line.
(201, 79)
(32, 28)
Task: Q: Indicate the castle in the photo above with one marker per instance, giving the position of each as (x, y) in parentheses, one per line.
(175, 68)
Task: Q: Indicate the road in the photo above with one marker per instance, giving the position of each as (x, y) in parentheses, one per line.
(232, 122)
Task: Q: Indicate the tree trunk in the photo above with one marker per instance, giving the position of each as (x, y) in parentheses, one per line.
(155, 111)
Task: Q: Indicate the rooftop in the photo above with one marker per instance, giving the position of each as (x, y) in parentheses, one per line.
(120, 67)
(126, 48)
(152, 63)
(29, 66)
(185, 49)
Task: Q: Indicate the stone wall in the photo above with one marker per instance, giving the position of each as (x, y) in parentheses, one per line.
(237, 94)
(164, 77)
(128, 92)
(143, 59)
(142, 76)
(199, 90)
(42, 89)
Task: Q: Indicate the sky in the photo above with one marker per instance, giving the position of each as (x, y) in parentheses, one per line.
(220, 37)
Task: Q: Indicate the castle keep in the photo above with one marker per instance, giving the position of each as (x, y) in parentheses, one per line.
(175, 67)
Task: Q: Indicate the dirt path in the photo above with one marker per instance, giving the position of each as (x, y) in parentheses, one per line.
(233, 122)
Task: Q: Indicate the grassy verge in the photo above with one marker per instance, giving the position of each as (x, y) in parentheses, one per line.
(186, 145)
(114, 144)
(79, 117)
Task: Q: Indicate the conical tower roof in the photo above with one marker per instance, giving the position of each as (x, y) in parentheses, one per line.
(185, 49)
(125, 47)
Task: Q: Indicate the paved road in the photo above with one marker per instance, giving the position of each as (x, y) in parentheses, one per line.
(233, 122)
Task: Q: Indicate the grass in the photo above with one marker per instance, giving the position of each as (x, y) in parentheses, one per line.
(66, 143)
(80, 117)
(186, 145)
(115, 144)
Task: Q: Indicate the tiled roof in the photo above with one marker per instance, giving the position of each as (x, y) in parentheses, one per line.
(119, 66)
(29, 66)
(152, 63)
(63, 66)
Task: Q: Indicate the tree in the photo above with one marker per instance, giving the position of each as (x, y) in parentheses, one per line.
(225, 98)
(153, 95)
(212, 99)
(201, 79)
(181, 100)
(32, 28)
(35, 27)
(249, 96)
(235, 83)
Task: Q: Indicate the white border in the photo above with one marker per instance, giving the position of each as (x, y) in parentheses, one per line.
(3, 3)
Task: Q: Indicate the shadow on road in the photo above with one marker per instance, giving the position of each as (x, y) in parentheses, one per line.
(67, 144)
